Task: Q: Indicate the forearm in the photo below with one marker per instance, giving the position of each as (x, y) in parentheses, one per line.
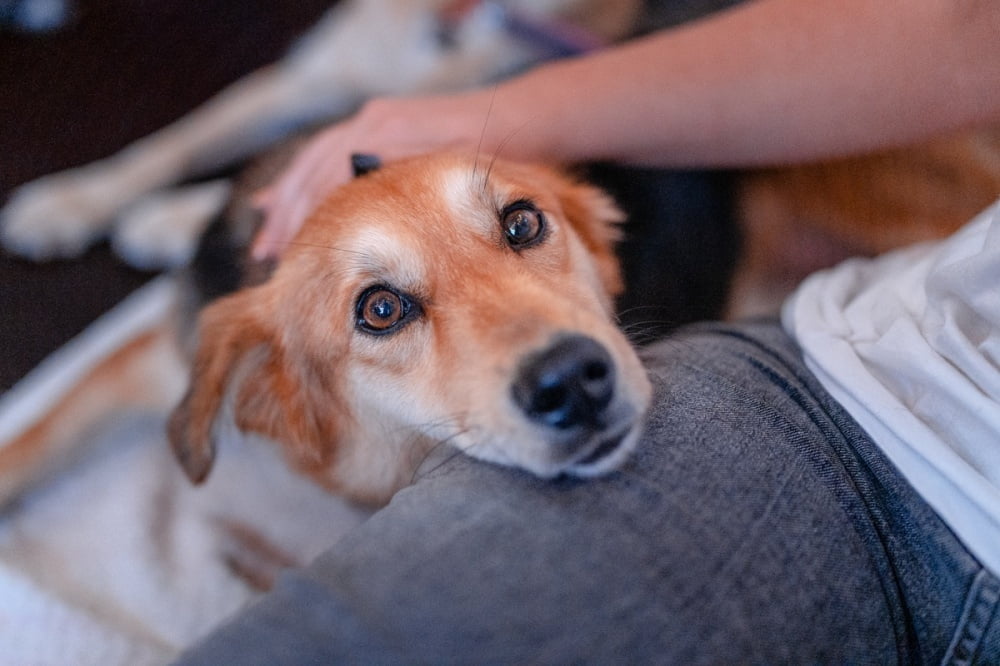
(769, 82)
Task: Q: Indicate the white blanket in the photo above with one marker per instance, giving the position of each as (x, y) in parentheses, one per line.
(119, 560)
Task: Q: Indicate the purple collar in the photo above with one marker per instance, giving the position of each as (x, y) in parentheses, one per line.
(553, 37)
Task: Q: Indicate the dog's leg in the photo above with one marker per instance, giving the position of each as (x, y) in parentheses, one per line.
(146, 372)
(61, 214)
(359, 49)
(162, 229)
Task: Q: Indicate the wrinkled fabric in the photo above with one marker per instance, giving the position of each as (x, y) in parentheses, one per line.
(909, 343)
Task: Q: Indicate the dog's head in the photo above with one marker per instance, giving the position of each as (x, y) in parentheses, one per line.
(431, 301)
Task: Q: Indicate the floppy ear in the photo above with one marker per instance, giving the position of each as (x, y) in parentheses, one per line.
(274, 395)
(595, 217)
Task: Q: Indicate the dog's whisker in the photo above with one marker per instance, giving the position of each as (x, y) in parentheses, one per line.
(642, 332)
(427, 428)
(646, 335)
(653, 310)
(645, 324)
(449, 440)
(646, 316)
(333, 248)
(482, 134)
(639, 308)
(456, 453)
(456, 423)
(436, 430)
(496, 154)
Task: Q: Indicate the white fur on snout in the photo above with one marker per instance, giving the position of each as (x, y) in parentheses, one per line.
(547, 452)
(502, 432)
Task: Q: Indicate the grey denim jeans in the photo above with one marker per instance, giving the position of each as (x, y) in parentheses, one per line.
(756, 524)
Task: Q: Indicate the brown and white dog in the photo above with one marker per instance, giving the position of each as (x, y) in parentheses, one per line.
(437, 304)
(433, 300)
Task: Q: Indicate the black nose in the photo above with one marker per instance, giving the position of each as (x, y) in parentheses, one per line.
(567, 385)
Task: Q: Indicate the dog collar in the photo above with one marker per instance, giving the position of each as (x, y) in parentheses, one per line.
(553, 37)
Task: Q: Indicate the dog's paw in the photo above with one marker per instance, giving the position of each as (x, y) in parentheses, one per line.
(162, 229)
(59, 216)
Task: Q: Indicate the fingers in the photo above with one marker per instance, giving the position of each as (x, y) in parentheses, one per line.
(389, 128)
(288, 201)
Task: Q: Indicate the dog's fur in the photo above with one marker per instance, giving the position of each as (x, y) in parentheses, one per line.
(357, 410)
(506, 352)
(795, 220)
(801, 219)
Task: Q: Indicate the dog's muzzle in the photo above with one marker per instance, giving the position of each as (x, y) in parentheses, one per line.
(568, 388)
(567, 385)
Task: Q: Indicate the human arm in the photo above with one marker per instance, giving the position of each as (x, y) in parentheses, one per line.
(769, 82)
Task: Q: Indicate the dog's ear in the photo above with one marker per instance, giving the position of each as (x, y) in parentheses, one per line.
(596, 219)
(273, 390)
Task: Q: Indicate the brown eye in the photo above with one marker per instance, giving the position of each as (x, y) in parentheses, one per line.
(523, 225)
(383, 310)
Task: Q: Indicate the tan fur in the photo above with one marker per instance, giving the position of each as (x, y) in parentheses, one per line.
(142, 373)
(798, 220)
(357, 412)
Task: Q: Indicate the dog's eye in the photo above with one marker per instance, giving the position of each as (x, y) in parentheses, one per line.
(523, 225)
(383, 310)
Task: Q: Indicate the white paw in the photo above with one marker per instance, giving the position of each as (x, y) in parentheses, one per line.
(60, 215)
(162, 229)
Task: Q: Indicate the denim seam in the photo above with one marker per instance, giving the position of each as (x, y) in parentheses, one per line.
(820, 416)
(979, 613)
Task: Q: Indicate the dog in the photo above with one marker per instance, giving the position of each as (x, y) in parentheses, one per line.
(433, 300)
(793, 220)
(441, 305)
(358, 50)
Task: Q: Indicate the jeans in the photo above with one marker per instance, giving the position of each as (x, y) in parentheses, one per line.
(756, 524)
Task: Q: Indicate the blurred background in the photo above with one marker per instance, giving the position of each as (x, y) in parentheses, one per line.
(116, 71)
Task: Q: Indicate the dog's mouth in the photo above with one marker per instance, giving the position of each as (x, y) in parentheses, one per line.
(604, 456)
(602, 450)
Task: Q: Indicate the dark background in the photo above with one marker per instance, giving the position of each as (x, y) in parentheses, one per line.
(119, 70)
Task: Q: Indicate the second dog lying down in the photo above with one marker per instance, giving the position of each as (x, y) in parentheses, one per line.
(433, 301)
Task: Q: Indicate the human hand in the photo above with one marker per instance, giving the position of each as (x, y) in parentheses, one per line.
(390, 128)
